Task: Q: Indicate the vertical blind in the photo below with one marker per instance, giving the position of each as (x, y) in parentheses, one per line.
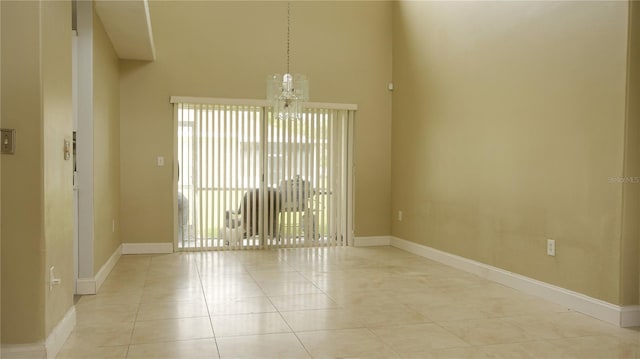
(246, 180)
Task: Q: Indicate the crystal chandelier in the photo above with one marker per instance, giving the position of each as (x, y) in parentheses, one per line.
(287, 92)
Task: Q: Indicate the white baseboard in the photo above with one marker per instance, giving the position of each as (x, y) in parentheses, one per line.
(147, 248)
(621, 316)
(60, 333)
(107, 267)
(47, 349)
(630, 316)
(85, 286)
(371, 241)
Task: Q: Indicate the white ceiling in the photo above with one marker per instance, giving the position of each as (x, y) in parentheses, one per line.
(128, 25)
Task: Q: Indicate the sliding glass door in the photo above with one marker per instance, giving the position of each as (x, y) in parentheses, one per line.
(246, 180)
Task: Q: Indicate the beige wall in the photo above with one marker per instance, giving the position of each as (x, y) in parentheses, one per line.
(106, 146)
(226, 49)
(631, 205)
(508, 121)
(22, 192)
(58, 172)
(36, 183)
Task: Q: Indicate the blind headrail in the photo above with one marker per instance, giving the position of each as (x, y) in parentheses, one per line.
(255, 102)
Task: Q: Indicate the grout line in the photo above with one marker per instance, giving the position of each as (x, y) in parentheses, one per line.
(135, 320)
(206, 303)
(282, 316)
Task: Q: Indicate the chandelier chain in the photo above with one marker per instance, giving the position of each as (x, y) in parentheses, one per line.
(288, 32)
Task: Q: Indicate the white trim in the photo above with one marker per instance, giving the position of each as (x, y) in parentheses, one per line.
(86, 286)
(84, 140)
(107, 267)
(60, 333)
(331, 106)
(372, 241)
(147, 248)
(255, 102)
(611, 313)
(218, 101)
(630, 316)
(149, 30)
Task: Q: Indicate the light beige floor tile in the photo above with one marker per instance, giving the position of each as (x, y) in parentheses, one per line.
(260, 268)
(573, 324)
(241, 306)
(276, 275)
(417, 337)
(538, 349)
(154, 331)
(487, 331)
(513, 306)
(163, 294)
(376, 316)
(95, 313)
(159, 274)
(596, 347)
(122, 284)
(227, 280)
(321, 319)
(249, 324)
(419, 300)
(217, 271)
(455, 281)
(187, 349)
(344, 343)
(264, 346)
(171, 310)
(175, 282)
(103, 334)
(455, 309)
(531, 350)
(23, 355)
(223, 292)
(302, 302)
(84, 352)
(274, 288)
(128, 297)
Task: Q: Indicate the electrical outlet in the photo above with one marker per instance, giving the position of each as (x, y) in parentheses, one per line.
(53, 281)
(551, 247)
(400, 216)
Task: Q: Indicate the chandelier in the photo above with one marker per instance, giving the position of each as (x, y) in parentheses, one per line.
(287, 92)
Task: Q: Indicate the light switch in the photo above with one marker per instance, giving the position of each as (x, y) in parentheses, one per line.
(160, 161)
(8, 141)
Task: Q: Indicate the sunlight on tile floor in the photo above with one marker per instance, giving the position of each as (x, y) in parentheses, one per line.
(377, 302)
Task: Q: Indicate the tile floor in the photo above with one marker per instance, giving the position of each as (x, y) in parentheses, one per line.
(377, 302)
